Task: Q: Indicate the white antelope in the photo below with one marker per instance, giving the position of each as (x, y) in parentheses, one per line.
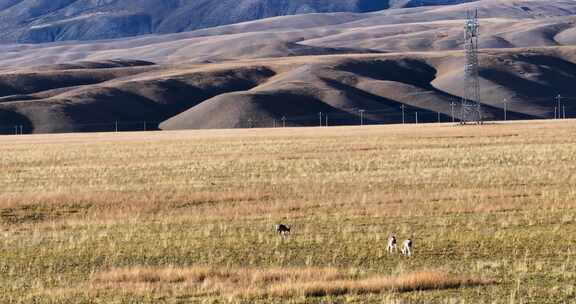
(282, 229)
(407, 247)
(391, 248)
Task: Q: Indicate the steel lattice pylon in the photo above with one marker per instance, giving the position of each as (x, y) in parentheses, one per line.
(471, 111)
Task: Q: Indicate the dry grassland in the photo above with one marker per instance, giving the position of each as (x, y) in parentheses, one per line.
(179, 217)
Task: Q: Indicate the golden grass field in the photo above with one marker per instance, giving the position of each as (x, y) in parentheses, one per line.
(188, 216)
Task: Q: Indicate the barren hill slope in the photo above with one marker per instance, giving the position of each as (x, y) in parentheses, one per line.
(37, 21)
(505, 24)
(258, 93)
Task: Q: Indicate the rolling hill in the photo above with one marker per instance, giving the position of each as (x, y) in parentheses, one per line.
(38, 21)
(253, 74)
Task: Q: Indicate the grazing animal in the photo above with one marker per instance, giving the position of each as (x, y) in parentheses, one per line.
(407, 247)
(391, 248)
(282, 229)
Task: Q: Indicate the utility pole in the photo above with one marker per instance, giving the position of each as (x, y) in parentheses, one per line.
(116, 126)
(564, 111)
(361, 117)
(505, 109)
(403, 118)
(555, 113)
(416, 117)
(320, 117)
(559, 100)
(326, 119)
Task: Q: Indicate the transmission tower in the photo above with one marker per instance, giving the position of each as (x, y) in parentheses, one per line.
(471, 111)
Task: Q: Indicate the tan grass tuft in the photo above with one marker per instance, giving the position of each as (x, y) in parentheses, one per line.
(275, 282)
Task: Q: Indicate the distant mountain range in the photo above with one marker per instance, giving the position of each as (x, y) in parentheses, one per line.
(40, 21)
(395, 64)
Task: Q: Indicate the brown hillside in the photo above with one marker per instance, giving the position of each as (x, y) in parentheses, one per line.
(252, 74)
